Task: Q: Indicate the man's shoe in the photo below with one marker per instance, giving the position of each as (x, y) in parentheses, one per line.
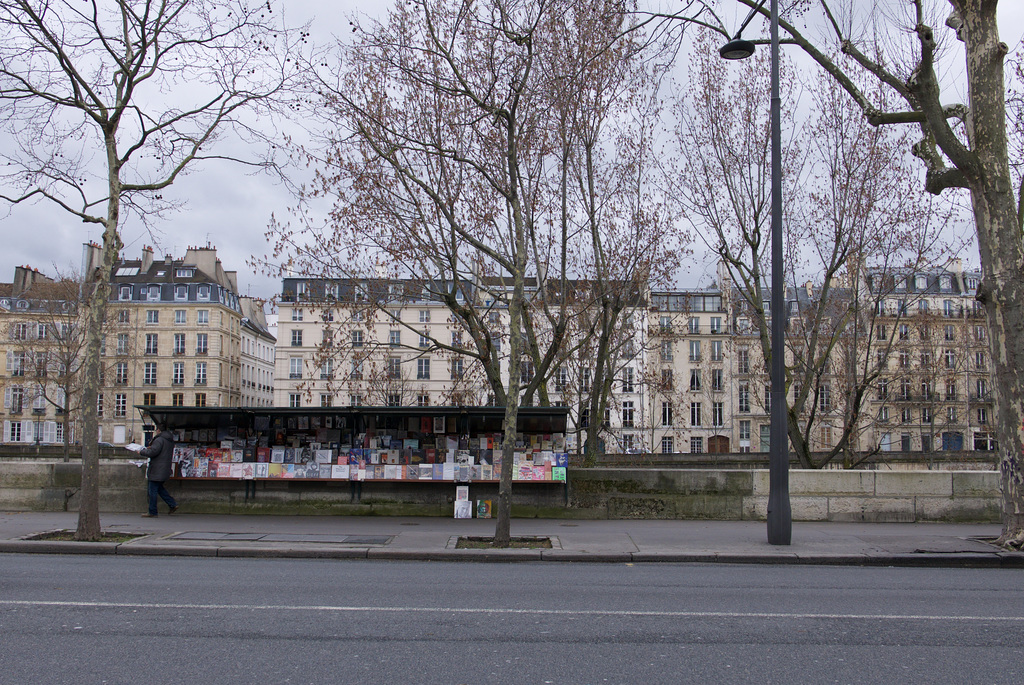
(149, 516)
(173, 509)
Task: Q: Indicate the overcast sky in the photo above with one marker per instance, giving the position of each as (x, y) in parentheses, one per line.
(225, 207)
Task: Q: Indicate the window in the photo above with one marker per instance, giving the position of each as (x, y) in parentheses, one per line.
(627, 442)
(627, 414)
(296, 315)
(982, 415)
(204, 292)
(179, 343)
(424, 316)
(697, 445)
(950, 391)
(394, 400)
(424, 340)
(926, 390)
(394, 338)
(980, 333)
(695, 414)
(949, 332)
(950, 359)
(743, 360)
(666, 379)
(627, 379)
(327, 315)
(666, 445)
(178, 399)
(296, 338)
(122, 343)
(883, 414)
(458, 369)
(926, 359)
(200, 373)
(149, 398)
(423, 400)
(357, 369)
(394, 368)
(951, 414)
(694, 380)
(717, 414)
(825, 397)
(121, 373)
(716, 325)
(202, 345)
(203, 317)
(904, 359)
(693, 324)
(695, 350)
(666, 350)
(526, 371)
(99, 404)
(294, 400)
(561, 379)
(904, 389)
(180, 317)
(883, 388)
(743, 398)
(152, 340)
(327, 370)
(904, 331)
(357, 338)
(356, 400)
(181, 292)
(423, 369)
(666, 413)
(926, 415)
(15, 398)
(149, 374)
(716, 350)
(120, 405)
(585, 384)
(295, 368)
(178, 373)
(981, 385)
(745, 430)
(948, 309)
(881, 333)
(946, 282)
(979, 361)
(716, 379)
(124, 292)
(326, 400)
(152, 316)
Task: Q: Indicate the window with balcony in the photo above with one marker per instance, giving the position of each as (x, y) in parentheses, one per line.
(394, 368)
(458, 369)
(423, 369)
(179, 343)
(295, 368)
(178, 373)
(695, 350)
(202, 343)
(716, 350)
(149, 373)
(121, 373)
(394, 338)
(716, 379)
(296, 337)
(152, 343)
(200, 373)
(694, 380)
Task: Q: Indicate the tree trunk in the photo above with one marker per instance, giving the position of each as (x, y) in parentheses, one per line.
(89, 495)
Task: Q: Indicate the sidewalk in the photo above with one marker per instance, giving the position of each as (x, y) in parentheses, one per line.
(857, 544)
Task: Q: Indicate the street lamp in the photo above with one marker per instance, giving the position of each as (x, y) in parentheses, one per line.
(780, 516)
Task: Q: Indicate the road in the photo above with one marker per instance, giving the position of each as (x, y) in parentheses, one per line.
(92, 619)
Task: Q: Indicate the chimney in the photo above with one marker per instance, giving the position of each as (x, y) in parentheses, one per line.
(147, 259)
(92, 255)
(168, 260)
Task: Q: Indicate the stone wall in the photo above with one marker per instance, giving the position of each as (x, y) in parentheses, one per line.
(613, 493)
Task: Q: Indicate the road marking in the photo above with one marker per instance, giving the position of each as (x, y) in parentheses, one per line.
(491, 612)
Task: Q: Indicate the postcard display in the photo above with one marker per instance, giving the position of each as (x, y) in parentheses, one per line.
(325, 448)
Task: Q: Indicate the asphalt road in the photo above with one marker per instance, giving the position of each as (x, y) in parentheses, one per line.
(92, 619)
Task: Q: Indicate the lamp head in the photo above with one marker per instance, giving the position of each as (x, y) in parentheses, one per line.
(737, 48)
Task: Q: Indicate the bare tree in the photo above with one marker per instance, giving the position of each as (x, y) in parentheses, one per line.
(896, 47)
(454, 159)
(850, 205)
(145, 87)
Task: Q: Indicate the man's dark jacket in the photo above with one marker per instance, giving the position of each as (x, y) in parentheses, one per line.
(160, 453)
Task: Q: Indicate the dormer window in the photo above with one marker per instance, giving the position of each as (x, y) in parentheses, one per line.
(946, 282)
(921, 282)
(204, 292)
(124, 292)
(181, 292)
(184, 273)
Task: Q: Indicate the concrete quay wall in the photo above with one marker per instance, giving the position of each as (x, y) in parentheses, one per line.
(595, 493)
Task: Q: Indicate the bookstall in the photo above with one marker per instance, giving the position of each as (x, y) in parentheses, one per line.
(360, 444)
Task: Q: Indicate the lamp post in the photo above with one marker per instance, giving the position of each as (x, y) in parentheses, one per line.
(780, 517)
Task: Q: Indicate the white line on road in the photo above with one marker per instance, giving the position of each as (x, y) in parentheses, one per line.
(537, 612)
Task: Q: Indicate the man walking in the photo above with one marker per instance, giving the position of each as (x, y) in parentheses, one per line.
(160, 453)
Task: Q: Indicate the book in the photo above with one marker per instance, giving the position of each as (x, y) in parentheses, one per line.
(463, 509)
(483, 508)
(262, 470)
(461, 493)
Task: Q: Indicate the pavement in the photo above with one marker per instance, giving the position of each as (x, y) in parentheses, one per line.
(426, 538)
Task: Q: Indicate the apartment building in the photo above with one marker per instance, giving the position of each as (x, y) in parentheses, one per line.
(36, 336)
(175, 338)
(931, 343)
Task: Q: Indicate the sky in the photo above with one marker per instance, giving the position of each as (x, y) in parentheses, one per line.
(229, 209)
